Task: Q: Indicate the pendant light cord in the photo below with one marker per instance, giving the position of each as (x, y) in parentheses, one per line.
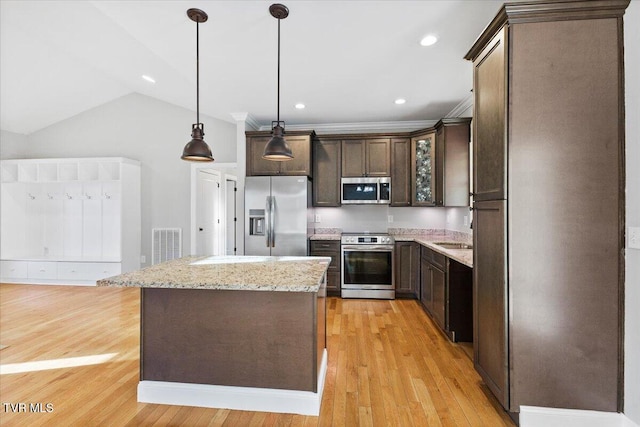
(278, 124)
(198, 73)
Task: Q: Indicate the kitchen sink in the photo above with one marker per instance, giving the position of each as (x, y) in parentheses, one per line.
(453, 245)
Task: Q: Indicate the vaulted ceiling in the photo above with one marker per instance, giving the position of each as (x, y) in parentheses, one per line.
(347, 61)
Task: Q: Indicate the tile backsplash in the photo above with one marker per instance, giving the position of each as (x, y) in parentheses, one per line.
(361, 218)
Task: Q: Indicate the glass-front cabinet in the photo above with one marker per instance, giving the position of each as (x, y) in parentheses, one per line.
(423, 170)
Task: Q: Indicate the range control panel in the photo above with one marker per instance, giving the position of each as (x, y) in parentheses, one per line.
(367, 239)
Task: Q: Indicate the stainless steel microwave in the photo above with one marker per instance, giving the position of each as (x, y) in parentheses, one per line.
(364, 191)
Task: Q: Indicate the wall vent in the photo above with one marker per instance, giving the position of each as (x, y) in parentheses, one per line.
(166, 244)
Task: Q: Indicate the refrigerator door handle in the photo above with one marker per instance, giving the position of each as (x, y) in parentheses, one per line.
(272, 226)
(267, 210)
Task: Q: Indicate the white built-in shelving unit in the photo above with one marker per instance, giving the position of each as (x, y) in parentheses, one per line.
(69, 221)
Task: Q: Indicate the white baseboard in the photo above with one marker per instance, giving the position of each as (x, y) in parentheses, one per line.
(534, 416)
(241, 398)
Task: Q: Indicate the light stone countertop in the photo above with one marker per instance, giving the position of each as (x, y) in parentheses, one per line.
(463, 256)
(326, 237)
(248, 273)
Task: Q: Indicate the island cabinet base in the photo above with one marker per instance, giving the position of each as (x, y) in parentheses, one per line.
(250, 350)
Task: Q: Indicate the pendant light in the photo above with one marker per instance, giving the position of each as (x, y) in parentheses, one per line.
(277, 148)
(197, 150)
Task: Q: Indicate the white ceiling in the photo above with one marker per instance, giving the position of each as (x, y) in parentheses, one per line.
(346, 60)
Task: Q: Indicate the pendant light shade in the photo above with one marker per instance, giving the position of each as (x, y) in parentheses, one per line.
(197, 150)
(277, 148)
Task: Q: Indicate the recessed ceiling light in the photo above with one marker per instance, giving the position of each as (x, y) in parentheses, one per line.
(400, 101)
(148, 78)
(428, 40)
(300, 106)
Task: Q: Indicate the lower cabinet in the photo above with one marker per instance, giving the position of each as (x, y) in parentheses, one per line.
(329, 248)
(407, 269)
(446, 294)
(57, 272)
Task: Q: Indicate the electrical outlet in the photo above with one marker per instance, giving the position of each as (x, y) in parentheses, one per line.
(143, 259)
(634, 237)
(317, 219)
(389, 218)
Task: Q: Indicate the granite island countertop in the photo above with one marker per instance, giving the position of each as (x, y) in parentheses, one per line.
(248, 273)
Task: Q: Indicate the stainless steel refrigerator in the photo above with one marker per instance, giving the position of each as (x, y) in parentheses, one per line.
(278, 215)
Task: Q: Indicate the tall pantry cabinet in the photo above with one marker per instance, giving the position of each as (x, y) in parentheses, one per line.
(69, 221)
(549, 204)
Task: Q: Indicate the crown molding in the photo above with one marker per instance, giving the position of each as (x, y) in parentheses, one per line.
(360, 127)
(247, 118)
(463, 106)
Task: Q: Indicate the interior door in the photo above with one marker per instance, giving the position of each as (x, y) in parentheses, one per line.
(207, 212)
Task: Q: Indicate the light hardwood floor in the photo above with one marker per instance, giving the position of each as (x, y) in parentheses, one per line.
(388, 366)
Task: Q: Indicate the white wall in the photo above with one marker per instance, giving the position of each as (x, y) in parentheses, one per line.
(632, 292)
(12, 145)
(148, 130)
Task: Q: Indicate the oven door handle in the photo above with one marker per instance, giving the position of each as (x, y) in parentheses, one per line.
(367, 249)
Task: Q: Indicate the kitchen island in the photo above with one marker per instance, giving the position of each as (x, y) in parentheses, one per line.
(237, 332)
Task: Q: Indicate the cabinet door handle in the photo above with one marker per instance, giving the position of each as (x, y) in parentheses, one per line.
(485, 209)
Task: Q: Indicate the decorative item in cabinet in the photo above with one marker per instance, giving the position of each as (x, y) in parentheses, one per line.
(423, 149)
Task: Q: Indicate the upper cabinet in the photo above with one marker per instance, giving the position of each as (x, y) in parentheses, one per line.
(400, 172)
(326, 172)
(490, 82)
(300, 143)
(452, 162)
(366, 157)
(440, 164)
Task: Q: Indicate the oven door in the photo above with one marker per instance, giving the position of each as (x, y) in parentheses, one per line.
(367, 267)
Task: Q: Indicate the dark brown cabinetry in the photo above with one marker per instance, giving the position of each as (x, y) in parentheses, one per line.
(549, 313)
(407, 269)
(446, 294)
(329, 248)
(400, 172)
(326, 172)
(366, 157)
(300, 143)
(440, 164)
(433, 277)
(452, 162)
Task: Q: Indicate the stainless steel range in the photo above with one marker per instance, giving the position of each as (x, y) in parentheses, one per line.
(367, 266)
